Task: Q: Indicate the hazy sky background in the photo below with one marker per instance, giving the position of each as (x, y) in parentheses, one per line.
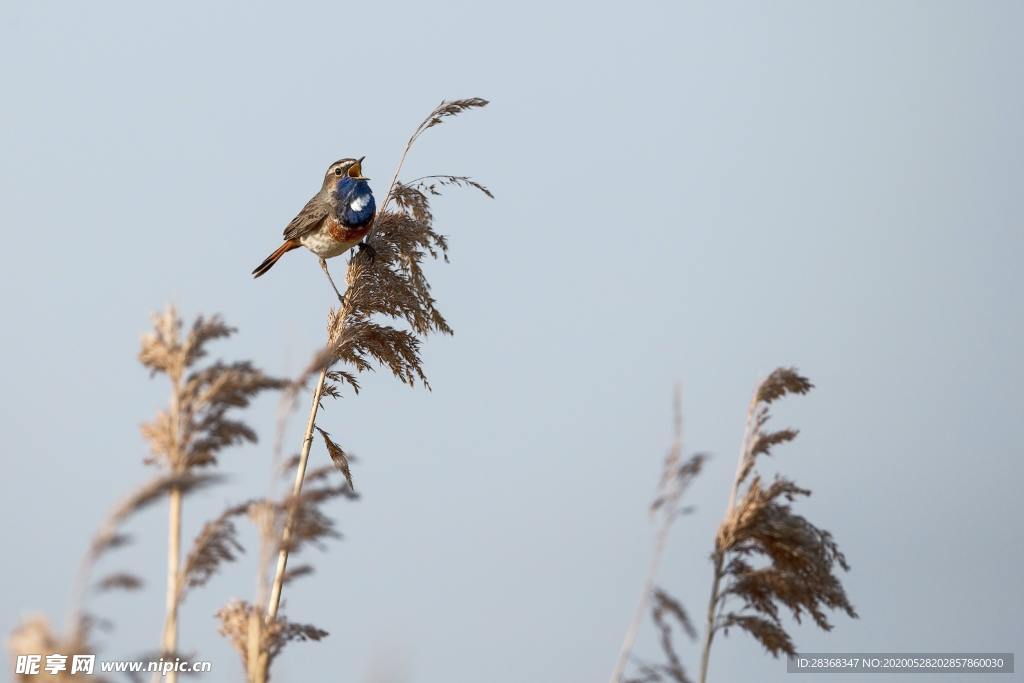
(685, 191)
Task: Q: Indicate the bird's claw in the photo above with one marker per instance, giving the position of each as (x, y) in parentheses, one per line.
(370, 252)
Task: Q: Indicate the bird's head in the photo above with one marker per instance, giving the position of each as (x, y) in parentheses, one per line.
(344, 168)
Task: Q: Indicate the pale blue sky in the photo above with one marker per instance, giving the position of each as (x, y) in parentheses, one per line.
(692, 191)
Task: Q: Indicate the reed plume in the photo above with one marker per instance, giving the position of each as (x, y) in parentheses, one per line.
(766, 557)
(35, 635)
(195, 427)
(242, 622)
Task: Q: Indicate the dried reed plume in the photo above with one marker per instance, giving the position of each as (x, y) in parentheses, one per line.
(193, 430)
(390, 288)
(35, 635)
(766, 557)
(676, 476)
(256, 641)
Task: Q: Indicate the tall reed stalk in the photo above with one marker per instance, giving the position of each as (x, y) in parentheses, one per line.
(194, 428)
(393, 285)
(718, 557)
(169, 639)
(676, 476)
(169, 642)
(276, 587)
(798, 560)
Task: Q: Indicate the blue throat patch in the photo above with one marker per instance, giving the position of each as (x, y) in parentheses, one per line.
(355, 202)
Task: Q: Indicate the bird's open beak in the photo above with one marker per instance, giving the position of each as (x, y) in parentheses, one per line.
(356, 170)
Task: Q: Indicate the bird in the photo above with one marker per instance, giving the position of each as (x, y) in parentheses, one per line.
(336, 219)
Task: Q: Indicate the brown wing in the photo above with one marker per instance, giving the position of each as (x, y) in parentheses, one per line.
(308, 220)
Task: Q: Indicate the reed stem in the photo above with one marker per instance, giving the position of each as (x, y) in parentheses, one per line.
(274, 602)
(719, 557)
(634, 626)
(169, 641)
(668, 514)
(169, 638)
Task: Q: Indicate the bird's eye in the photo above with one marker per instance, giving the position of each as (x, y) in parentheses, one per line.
(337, 171)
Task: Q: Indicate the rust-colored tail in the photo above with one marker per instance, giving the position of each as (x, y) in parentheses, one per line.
(269, 262)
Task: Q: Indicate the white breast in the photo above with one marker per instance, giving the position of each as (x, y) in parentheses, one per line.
(325, 246)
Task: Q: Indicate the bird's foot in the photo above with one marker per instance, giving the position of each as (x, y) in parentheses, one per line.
(365, 248)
